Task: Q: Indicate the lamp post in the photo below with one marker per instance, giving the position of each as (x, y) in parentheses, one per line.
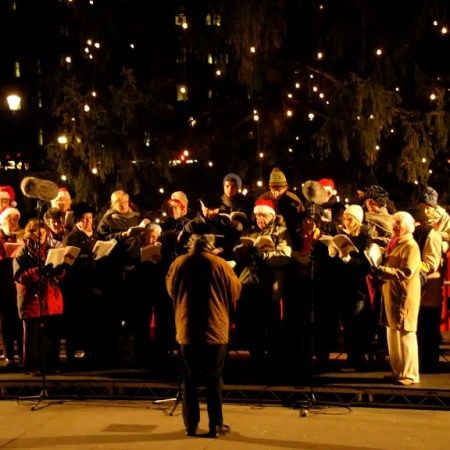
(14, 102)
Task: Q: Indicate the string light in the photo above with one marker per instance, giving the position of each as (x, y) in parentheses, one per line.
(397, 89)
(94, 94)
(444, 30)
(311, 76)
(89, 41)
(86, 108)
(290, 95)
(416, 182)
(289, 113)
(259, 183)
(424, 160)
(63, 177)
(62, 139)
(161, 190)
(261, 155)
(433, 97)
(371, 117)
(97, 45)
(68, 59)
(252, 49)
(94, 170)
(311, 116)
(392, 130)
(297, 85)
(430, 171)
(218, 72)
(131, 45)
(244, 191)
(290, 150)
(321, 95)
(379, 52)
(319, 55)
(184, 26)
(210, 163)
(297, 138)
(435, 23)
(256, 117)
(377, 147)
(315, 88)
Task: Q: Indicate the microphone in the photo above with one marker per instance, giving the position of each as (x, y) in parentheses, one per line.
(44, 190)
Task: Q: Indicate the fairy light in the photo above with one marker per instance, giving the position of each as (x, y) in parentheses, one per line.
(379, 52)
(256, 117)
(218, 72)
(186, 152)
(97, 45)
(358, 117)
(392, 130)
(86, 108)
(371, 117)
(430, 171)
(259, 183)
(89, 42)
(91, 57)
(184, 26)
(297, 85)
(311, 116)
(289, 95)
(433, 97)
(435, 23)
(289, 113)
(261, 155)
(86, 49)
(63, 178)
(416, 182)
(62, 139)
(444, 30)
(377, 147)
(252, 49)
(319, 55)
(244, 191)
(315, 88)
(311, 76)
(210, 163)
(94, 170)
(321, 95)
(297, 138)
(161, 190)
(68, 59)
(397, 89)
(290, 150)
(131, 45)
(424, 160)
(94, 94)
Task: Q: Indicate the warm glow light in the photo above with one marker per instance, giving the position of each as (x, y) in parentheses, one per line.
(131, 45)
(397, 89)
(86, 108)
(63, 177)
(183, 89)
(86, 49)
(321, 95)
(297, 138)
(290, 95)
(372, 117)
(433, 97)
(311, 76)
(68, 59)
(184, 25)
(444, 30)
(290, 150)
(297, 85)
(94, 170)
(218, 72)
(289, 113)
(161, 190)
(261, 155)
(94, 94)
(416, 182)
(315, 88)
(319, 55)
(379, 51)
(259, 183)
(186, 153)
(210, 163)
(14, 102)
(256, 117)
(377, 147)
(97, 45)
(424, 160)
(392, 130)
(435, 23)
(62, 139)
(311, 116)
(252, 50)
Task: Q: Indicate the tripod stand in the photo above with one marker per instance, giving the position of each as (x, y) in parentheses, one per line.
(311, 402)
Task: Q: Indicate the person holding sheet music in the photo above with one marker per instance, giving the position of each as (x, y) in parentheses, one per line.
(82, 289)
(352, 291)
(10, 323)
(39, 300)
(126, 226)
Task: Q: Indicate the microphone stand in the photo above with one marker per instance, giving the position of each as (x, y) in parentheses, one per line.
(43, 394)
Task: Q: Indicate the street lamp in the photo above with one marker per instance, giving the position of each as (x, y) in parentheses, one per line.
(14, 102)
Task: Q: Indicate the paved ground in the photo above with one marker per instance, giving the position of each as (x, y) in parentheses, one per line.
(143, 425)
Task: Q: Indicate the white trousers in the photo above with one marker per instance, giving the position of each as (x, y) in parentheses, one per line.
(403, 353)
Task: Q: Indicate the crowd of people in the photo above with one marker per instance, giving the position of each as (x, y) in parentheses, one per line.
(298, 295)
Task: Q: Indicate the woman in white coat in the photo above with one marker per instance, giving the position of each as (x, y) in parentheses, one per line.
(401, 297)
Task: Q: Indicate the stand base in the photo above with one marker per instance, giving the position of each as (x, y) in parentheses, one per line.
(175, 399)
(38, 399)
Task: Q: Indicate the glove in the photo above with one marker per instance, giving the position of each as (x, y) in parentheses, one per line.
(346, 259)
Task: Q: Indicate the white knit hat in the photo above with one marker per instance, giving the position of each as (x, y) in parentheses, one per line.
(8, 212)
(356, 211)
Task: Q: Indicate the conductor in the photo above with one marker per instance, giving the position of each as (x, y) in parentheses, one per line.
(202, 286)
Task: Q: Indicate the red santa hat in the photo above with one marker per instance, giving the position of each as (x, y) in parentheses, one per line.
(9, 211)
(264, 206)
(181, 199)
(8, 193)
(328, 185)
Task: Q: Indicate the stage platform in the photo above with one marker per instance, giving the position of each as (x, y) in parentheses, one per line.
(367, 388)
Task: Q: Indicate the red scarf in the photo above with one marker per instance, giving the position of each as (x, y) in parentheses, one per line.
(391, 245)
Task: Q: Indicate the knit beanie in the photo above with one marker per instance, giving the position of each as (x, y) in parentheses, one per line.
(236, 178)
(277, 178)
(429, 196)
(356, 211)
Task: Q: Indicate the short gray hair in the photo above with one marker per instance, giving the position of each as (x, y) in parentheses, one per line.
(155, 227)
(405, 220)
(200, 242)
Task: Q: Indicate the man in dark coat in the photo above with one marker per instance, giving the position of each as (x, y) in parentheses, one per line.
(203, 286)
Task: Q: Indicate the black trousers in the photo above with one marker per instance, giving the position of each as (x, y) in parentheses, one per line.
(202, 364)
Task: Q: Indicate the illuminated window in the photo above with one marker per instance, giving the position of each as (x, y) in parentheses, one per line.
(17, 69)
(182, 93)
(180, 20)
(213, 19)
